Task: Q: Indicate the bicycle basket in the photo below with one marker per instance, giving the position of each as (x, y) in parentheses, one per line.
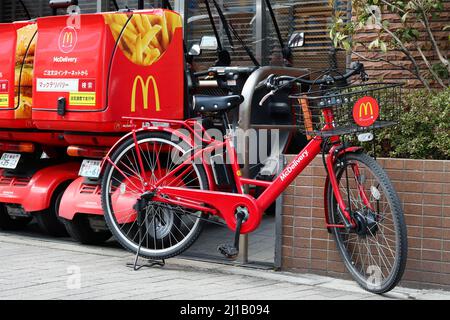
(355, 109)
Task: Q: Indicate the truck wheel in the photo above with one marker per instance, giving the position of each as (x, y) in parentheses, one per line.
(48, 220)
(8, 223)
(81, 231)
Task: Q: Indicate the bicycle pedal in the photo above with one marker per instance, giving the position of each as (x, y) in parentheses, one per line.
(228, 250)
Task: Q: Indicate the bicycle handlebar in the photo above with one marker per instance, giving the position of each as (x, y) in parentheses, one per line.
(200, 73)
(275, 83)
(327, 79)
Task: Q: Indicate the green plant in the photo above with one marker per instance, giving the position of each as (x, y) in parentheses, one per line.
(424, 129)
(414, 34)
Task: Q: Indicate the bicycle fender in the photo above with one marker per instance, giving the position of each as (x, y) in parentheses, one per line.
(325, 202)
(349, 150)
(186, 138)
(169, 130)
(328, 184)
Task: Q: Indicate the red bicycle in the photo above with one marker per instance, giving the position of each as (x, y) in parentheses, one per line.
(163, 181)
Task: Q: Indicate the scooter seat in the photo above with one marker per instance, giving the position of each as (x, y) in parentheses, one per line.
(215, 104)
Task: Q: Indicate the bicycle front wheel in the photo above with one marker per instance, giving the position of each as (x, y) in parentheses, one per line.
(374, 252)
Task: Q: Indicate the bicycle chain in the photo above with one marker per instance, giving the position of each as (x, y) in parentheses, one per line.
(183, 211)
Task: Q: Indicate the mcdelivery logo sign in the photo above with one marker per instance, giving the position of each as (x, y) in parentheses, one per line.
(366, 111)
(67, 39)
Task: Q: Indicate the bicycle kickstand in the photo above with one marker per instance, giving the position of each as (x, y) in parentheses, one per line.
(151, 263)
(231, 250)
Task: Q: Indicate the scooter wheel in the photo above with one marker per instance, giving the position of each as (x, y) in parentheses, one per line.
(8, 223)
(48, 220)
(81, 231)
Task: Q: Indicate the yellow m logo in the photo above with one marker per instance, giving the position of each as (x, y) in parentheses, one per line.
(366, 107)
(145, 86)
(68, 39)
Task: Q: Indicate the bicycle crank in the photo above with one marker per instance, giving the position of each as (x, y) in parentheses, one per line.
(231, 251)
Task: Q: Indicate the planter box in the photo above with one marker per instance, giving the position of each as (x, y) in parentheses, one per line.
(424, 189)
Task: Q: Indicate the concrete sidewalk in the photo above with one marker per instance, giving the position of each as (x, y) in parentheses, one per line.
(34, 268)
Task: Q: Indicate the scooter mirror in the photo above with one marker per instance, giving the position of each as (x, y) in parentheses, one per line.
(297, 40)
(195, 50)
(209, 43)
(62, 4)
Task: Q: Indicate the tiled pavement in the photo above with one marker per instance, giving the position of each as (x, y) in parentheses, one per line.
(34, 268)
(261, 242)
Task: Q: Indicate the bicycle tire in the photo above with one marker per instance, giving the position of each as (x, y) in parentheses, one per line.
(398, 222)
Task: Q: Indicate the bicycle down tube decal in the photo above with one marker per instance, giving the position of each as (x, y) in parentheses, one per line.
(286, 172)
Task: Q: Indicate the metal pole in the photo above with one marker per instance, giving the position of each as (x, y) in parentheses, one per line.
(103, 6)
(260, 48)
(13, 12)
(244, 123)
(222, 31)
(243, 249)
(261, 22)
(279, 220)
(349, 18)
(260, 12)
(180, 6)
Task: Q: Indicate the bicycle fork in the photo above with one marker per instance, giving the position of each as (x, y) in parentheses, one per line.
(336, 153)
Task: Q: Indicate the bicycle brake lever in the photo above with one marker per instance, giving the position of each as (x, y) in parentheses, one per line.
(364, 76)
(265, 83)
(261, 85)
(267, 96)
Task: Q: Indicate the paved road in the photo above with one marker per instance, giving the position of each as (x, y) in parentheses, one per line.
(33, 268)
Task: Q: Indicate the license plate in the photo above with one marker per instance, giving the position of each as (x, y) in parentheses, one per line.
(9, 160)
(90, 169)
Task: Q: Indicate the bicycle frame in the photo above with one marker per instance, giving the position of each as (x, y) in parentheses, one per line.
(225, 204)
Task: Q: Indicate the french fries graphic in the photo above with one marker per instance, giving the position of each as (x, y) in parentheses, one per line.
(143, 37)
(23, 84)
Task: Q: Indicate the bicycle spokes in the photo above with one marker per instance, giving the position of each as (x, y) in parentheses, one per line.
(371, 248)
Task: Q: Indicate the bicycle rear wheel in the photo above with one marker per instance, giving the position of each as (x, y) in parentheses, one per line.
(375, 252)
(160, 230)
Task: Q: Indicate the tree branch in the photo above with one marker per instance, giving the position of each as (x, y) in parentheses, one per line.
(381, 60)
(409, 55)
(426, 23)
(393, 5)
(405, 51)
(430, 68)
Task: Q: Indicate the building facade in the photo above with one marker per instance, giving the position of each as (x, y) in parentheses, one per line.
(249, 17)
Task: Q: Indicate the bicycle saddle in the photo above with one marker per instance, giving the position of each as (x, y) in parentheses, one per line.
(214, 104)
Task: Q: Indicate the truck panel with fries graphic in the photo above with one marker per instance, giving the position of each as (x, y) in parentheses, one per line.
(114, 65)
(16, 73)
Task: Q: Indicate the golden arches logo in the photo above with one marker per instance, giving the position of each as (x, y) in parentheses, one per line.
(366, 107)
(366, 111)
(145, 86)
(67, 39)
